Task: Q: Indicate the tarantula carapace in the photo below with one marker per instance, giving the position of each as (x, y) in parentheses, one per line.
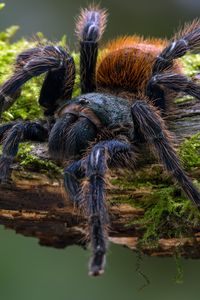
(124, 93)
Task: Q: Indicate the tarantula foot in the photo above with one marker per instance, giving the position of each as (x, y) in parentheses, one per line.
(96, 271)
(97, 264)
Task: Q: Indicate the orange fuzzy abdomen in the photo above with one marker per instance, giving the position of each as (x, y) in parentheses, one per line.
(126, 64)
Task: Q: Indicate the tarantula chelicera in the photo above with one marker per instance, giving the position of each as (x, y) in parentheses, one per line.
(124, 93)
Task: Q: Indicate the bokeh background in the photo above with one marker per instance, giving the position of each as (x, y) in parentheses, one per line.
(29, 271)
(55, 18)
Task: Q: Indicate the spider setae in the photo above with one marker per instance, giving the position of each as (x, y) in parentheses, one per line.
(124, 93)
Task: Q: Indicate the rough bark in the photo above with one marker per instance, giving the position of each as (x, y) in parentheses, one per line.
(36, 205)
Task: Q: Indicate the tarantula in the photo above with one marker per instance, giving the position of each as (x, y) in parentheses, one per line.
(124, 94)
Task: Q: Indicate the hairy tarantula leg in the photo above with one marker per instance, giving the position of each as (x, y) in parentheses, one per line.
(156, 94)
(102, 155)
(89, 28)
(58, 84)
(32, 63)
(188, 39)
(175, 82)
(152, 128)
(18, 133)
(4, 128)
(72, 180)
(20, 61)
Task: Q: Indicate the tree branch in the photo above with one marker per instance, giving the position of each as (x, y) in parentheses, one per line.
(36, 205)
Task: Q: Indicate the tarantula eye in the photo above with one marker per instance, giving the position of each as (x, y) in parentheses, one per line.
(84, 101)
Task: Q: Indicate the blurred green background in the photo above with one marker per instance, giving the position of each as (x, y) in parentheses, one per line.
(28, 271)
(55, 18)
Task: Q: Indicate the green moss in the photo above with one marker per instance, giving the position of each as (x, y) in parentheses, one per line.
(183, 99)
(148, 177)
(191, 67)
(167, 214)
(26, 106)
(122, 199)
(29, 161)
(191, 64)
(189, 152)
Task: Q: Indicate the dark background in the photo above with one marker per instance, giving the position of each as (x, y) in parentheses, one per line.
(55, 18)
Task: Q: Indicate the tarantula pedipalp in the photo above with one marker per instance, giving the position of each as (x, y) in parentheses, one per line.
(123, 94)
